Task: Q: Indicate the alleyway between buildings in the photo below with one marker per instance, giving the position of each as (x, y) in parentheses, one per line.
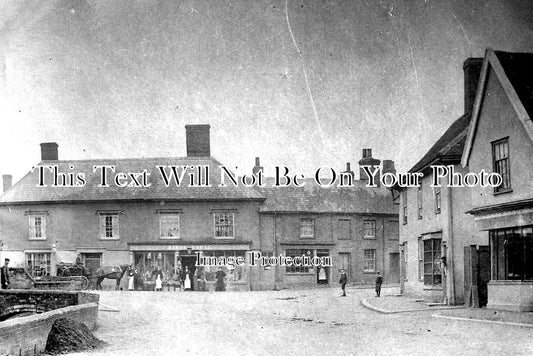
(288, 322)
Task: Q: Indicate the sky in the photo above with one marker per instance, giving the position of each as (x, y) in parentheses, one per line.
(298, 83)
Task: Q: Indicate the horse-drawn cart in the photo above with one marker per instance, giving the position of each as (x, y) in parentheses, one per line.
(69, 276)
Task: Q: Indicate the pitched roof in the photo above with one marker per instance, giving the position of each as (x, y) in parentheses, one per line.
(515, 73)
(519, 69)
(448, 147)
(26, 190)
(315, 199)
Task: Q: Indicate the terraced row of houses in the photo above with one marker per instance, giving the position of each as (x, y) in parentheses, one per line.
(151, 225)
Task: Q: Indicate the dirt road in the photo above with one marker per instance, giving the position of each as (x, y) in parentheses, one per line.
(288, 322)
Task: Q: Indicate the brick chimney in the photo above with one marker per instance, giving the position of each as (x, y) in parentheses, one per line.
(348, 180)
(367, 160)
(257, 168)
(49, 151)
(472, 71)
(7, 182)
(388, 167)
(198, 142)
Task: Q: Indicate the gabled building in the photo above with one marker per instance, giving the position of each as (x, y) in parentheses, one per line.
(500, 139)
(434, 228)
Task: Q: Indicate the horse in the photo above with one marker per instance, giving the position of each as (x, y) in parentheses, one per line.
(110, 272)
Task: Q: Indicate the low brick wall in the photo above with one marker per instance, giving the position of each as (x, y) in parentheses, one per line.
(27, 335)
(43, 300)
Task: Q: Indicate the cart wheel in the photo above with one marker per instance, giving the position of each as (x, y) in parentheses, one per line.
(84, 282)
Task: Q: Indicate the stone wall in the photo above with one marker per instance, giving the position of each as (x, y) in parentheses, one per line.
(27, 335)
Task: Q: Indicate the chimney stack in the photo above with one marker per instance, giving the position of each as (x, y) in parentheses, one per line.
(258, 168)
(472, 71)
(198, 142)
(7, 181)
(49, 151)
(388, 166)
(367, 160)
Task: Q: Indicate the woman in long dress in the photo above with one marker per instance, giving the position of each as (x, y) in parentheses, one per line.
(187, 282)
(158, 279)
(131, 281)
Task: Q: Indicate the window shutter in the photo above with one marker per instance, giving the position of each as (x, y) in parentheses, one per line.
(43, 227)
(31, 227)
(102, 226)
(115, 226)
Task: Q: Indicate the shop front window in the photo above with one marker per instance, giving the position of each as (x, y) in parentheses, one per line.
(234, 274)
(513, 253)
(432, 262)
(38, 263)
(297, 253)
(147, 263)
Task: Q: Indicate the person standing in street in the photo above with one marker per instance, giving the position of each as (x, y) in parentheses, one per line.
(158, 275)
(4, 274)
(131, 280)
(220, 275)
(379, 281)
(342, 281)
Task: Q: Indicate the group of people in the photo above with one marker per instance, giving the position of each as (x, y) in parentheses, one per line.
(184, 279)
(344, 279)
(180, 278)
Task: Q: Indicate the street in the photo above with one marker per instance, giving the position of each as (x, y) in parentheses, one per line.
(300, 322)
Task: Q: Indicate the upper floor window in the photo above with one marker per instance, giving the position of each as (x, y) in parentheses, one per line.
(344, 229)
(109, 226)
(437, 200)
(419, 200)
(369, 229)
(169, 225)
(307, 228)
(501, 164)
(404, 206)
(36, 224)
(224, 224)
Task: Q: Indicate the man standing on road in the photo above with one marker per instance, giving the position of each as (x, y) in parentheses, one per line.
(4, 274)
(379, 280)
(343, 281)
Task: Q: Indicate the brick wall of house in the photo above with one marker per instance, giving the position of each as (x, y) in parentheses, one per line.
(283, 231)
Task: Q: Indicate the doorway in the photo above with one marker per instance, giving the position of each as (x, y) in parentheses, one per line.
(394, 267)
(322, 272)
(188, 262)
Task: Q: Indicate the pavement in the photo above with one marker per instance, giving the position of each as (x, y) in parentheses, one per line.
(394, 303)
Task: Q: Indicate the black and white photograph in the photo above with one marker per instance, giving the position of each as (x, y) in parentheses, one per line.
(250, 177)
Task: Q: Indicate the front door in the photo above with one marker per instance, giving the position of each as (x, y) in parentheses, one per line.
(188, 262)
(322, 273)
(394, 268)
